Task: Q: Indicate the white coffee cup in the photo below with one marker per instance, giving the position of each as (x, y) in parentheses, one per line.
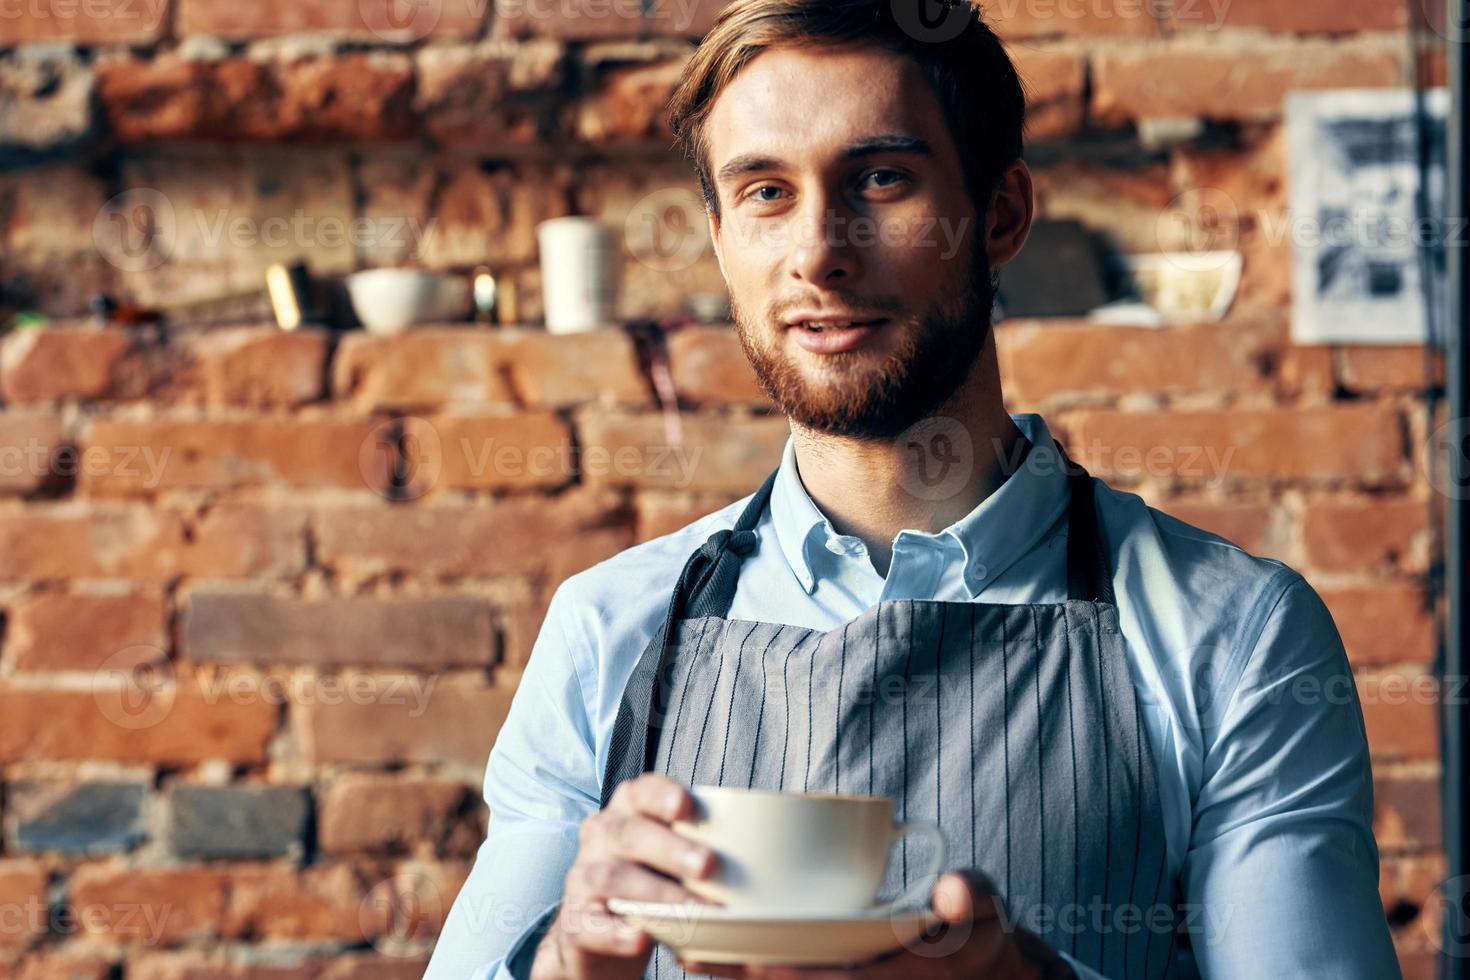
(579, 273)
(803, 852)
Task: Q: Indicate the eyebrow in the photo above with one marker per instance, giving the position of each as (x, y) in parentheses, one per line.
(887, 143)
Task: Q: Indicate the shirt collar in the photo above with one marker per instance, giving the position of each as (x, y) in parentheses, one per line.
(992, 537)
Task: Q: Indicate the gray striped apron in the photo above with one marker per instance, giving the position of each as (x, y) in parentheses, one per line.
(1015, 728)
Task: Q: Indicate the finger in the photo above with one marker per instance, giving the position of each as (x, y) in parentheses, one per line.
(656, 796)
(952, 901)
(590, 928)
(965, 896)
(601, 880)
(646, 841)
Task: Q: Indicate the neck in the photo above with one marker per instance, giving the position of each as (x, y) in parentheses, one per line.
(925, 479)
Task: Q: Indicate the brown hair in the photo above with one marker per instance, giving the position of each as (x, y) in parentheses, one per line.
(969, 70)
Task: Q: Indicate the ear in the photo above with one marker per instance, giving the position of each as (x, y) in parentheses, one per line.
(1008, 220)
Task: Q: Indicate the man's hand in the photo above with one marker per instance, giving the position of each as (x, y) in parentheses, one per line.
(975, 944)
(627, 850)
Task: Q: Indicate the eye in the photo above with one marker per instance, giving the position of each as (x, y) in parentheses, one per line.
(888, 178)
(754, 194)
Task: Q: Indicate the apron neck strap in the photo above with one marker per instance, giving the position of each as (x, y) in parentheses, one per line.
(709, 578)
(1089, 573)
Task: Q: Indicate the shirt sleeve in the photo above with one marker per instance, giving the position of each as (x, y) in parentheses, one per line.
(540, 783)
(1281, 877)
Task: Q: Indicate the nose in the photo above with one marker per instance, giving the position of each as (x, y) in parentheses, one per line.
(822, 253)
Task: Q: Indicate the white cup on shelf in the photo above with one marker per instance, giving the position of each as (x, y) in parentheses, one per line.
(579, 273)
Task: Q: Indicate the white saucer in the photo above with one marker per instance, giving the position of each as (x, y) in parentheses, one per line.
(713, 934)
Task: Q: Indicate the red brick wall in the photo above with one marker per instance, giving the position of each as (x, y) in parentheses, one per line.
(292, 578)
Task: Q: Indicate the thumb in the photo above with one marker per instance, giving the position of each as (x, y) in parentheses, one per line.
(965, 896)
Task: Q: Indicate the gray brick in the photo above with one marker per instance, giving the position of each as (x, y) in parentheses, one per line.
(75, 818)
(228, 625)
(237, 821)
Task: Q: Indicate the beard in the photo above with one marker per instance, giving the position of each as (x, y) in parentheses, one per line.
(854, 398)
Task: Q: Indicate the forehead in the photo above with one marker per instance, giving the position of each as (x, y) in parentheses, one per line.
(804, 103)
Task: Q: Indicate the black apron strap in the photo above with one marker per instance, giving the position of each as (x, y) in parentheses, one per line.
(1089, 572)
(706, 587)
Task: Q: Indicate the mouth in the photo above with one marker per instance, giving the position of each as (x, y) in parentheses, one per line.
(831, 336)
(827, 323)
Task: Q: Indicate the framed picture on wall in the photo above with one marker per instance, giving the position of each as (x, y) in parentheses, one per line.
(1363, 244)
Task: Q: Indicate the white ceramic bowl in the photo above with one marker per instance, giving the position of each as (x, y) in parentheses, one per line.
(388, 301)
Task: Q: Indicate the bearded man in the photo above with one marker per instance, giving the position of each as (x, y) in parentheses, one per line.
(1110, 732)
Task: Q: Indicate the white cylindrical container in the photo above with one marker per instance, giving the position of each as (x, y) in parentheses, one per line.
(579, 273)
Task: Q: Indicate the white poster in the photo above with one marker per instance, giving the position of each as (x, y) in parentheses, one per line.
(1360, 243)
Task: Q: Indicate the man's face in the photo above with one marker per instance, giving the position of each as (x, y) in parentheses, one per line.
(841, 195)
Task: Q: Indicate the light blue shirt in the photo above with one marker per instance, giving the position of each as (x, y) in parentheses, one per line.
(1248, 701)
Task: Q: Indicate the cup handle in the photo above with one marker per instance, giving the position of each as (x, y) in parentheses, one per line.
(918, 891)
